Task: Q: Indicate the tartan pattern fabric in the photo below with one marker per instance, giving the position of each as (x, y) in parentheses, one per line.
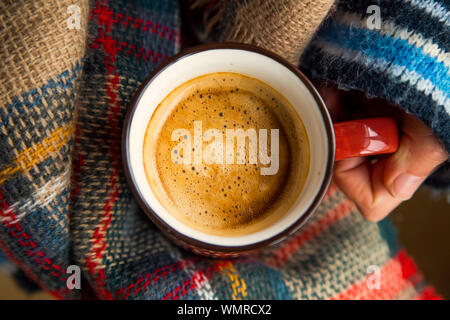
(64, 198)
(40, 70)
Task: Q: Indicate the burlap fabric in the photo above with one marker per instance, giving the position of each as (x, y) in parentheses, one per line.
(64, 199)
(284, 27)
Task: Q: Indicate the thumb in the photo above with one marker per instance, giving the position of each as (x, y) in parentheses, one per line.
(419, 153)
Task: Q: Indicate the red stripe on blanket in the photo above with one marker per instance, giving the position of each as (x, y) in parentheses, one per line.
(151, 278)
(16, 231)
(99, 237)
(398, 273)
(131, 49)
(196, 280)
(281, 255)
(57, 294)
(106, 17)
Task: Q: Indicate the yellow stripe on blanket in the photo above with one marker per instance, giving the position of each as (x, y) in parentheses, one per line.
(30, 156)
(238, 285)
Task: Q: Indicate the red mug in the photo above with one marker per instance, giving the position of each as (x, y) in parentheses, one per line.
(368, 137)
(328, 142)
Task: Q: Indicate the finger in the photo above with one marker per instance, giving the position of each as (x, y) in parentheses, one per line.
(363, 183)
(419, 153)
(352, 176)
(378, 188)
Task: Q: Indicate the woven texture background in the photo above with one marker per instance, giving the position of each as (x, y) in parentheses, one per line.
(64, 199)
(284, 27)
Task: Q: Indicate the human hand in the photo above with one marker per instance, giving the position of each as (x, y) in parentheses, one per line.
(379, 184)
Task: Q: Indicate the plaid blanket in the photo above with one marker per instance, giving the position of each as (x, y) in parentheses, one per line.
(64, 199)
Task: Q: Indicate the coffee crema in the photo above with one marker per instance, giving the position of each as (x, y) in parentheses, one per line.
(224, 198)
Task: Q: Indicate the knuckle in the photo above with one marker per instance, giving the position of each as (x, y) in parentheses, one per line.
(436, 154)
(378, 208)
(372, 214)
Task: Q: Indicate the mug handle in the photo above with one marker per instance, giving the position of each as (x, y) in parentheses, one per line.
(365, 137)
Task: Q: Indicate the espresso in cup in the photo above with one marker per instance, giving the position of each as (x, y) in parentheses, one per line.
(226, 154)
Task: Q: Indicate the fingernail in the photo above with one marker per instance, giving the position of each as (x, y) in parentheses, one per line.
(405, 185)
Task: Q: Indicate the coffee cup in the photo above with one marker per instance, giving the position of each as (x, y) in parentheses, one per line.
(327, 142)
